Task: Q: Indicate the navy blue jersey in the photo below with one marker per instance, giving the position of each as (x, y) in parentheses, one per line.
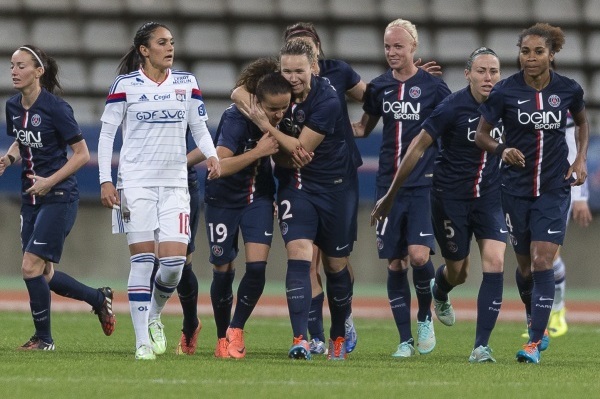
(462, 170)
(239, 134)
(331, 166)
(404, 106)
(535, 123)
(342, 77)
(43, 133)
(190, 146)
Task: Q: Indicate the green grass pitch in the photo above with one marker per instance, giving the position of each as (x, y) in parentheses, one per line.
(86, 364)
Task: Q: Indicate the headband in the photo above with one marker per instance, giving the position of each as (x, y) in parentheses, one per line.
(39, 60)
(303, 31)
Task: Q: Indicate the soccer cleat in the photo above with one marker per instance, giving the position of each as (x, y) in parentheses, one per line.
(425, 336)
(187, 344)
(443, 309)
(318, 347)
(221, 349)
(337, 349)
(144, 352)
(157, 337)
(482, 354)
(300, 349)
(105, 313)
(235, 346)
(557, 326)
(350, 337)
(545, 339)
(405, 349)
(529, 353)
(36, 344)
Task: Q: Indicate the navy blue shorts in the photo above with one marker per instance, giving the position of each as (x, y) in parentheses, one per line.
(409, 223)
(223, 225)
(456, 220)
(44, 228)
(195, 208)
(542, 218)
(324, 218)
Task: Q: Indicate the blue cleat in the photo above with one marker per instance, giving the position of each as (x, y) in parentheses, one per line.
(425, 336)
(405, 349)
(545, 342)
(300, 349)
(529, 353)
(351, 337)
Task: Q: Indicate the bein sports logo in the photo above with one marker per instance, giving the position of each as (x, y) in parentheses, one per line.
(28, 138)
(541, 120)
(402, 110)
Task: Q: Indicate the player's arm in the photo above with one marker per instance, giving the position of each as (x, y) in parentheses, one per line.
(414, 152)
(242, 99)
(194, 157)
(11, 156)
(357, 93)
(204, 142)
(483, 140)
(81, 155)
(365, 126)
(231, 164)
(579, 167)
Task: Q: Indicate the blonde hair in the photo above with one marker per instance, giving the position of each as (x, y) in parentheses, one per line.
(407, 26)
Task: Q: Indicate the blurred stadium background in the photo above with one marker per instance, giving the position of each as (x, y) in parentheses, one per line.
(215, 39)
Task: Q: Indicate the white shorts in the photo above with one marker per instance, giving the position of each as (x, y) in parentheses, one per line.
(164, 211)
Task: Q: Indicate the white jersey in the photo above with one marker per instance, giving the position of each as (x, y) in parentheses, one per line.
(578, 193)
(154, 119)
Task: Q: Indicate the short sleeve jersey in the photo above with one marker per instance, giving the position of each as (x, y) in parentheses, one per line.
(330, 167)
(43, 133)
(404, 106)
(240, 135)
(154, 118)
(535, 123)
(342, 77)
(462, 170)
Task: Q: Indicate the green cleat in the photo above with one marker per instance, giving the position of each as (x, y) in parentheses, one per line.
(443, 309)
(157, 337)
(144, 352)
(482, 354)
(405, 349)
(425, 336)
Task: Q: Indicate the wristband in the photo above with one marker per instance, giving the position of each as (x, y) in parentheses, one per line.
(500, 149)
(12, 159)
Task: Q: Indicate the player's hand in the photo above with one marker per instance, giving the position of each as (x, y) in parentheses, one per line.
(513, 157)
(41, 185)
(581, 213)
(301, 157)
(214, 168)
(267, 145)
(431, 67)
(578, 170)
(4, 163)
(382, 209)
(258, 115)
(109, 195)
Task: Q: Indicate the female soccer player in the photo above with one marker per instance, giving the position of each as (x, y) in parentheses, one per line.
(465, 198)
(536, 176)
(405, 96)
(242, 201)
(312, 203)
(43, 125)
(155, 105)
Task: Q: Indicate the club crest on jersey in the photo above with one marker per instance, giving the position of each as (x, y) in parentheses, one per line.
(180, 95)
(300, 116)
(217, 250)
(284, 228)
(36, 120)
(452, 247)
(415, 92)
(379, 243)
(554, 100)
